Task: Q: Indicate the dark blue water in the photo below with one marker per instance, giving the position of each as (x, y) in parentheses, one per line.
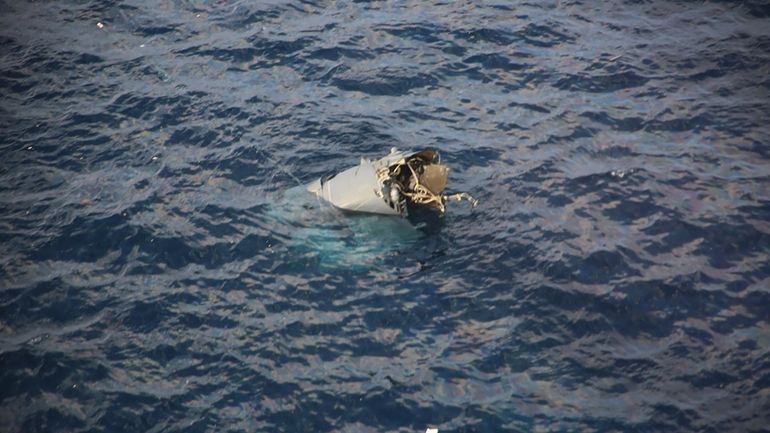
(157, 276)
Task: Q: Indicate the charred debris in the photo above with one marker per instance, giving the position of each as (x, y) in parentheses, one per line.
(400, 183)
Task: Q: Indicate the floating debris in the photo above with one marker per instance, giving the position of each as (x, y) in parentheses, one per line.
(391, 185)
(620, 174)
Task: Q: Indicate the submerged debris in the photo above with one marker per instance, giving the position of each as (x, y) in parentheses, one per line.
(391, 185)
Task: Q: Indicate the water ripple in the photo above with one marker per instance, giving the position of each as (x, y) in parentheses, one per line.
(163, 268)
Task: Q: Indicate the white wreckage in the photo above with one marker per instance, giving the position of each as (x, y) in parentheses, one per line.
(391, 185)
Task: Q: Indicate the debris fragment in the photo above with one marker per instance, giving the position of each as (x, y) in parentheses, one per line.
(100, 25)
(391, 185)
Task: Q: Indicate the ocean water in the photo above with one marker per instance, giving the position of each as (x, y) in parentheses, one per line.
(160, 270)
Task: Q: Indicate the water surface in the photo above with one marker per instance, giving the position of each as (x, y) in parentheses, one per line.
(154, 276)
